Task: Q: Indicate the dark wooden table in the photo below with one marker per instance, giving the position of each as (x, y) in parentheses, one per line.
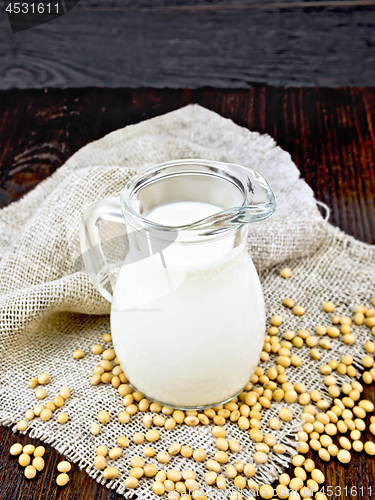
(330, 134)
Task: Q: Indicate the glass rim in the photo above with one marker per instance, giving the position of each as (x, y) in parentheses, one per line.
(226, 220)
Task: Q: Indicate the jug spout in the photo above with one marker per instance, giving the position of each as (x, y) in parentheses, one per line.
(259, 203)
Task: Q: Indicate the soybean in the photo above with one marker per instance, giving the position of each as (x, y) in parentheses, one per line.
(110, 473)
(62, 479)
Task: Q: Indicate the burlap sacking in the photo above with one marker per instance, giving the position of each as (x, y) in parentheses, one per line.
(48, 308)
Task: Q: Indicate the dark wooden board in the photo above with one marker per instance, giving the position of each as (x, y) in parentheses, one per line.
(195, 43)
(329, 133)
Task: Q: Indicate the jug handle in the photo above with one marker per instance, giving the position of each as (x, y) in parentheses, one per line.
(108, 209)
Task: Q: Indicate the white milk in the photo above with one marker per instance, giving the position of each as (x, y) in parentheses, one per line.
(203, 322)
(184, 212)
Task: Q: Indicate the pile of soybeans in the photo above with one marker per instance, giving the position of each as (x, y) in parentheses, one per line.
(332, 428)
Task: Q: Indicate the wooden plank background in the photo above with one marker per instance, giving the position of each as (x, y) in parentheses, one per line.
(195, 43)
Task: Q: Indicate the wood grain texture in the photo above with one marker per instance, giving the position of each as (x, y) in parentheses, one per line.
(329, 134)
(14, 485)
(172, 43)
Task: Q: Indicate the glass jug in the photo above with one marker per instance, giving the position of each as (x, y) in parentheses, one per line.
(187, 314)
